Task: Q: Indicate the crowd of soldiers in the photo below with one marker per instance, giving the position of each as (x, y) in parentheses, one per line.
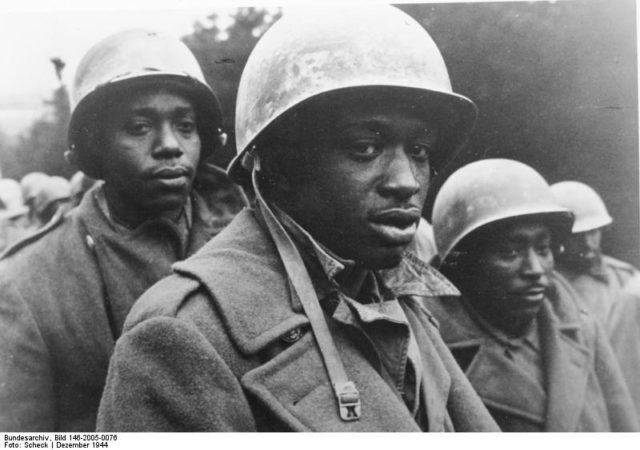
(304, 291)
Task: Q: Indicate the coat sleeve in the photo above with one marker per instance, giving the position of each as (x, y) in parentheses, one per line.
(165, 376)
(26, 375)
(622, 414)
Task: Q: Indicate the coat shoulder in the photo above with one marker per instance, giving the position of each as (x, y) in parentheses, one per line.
(37, 236)
(40, 256)
(162, 299)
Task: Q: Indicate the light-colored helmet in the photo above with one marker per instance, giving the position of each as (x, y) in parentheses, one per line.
(585, 203)
(310, 53)
(488, 191)
(52, 189)
(11, 204)
(80, 183)
(128, 60)
(29, 184)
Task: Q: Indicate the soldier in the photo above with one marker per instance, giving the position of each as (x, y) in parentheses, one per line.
(143, 116)
(598, 278)
(29, 184)
(536, 359)
(608, 287)
(51, 197)
(288, 320)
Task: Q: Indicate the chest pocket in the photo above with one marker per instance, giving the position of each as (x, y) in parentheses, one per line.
(293, 387)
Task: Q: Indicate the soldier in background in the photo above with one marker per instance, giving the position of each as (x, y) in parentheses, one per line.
(143, 117)
(598, 278)
(29, 184)
(608, 287)
(52, 196)
(537, 360)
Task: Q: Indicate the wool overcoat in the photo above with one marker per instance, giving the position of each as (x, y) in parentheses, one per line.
(223, 345)
(583, 390)
(64, 295)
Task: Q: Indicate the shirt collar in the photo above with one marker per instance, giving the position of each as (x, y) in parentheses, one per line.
(184, 218)
(332, 265)
(530, 337)
(411, 277)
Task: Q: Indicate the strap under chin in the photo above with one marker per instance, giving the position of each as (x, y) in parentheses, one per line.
(347, 395)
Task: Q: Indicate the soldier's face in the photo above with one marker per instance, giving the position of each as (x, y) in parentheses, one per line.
(582, 250)
(362, 179)
(513, 272)
(150, 153)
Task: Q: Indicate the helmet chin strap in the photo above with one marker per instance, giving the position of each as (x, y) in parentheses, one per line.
(346, 393)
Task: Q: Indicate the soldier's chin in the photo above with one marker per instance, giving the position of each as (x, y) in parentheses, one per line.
(382, 257)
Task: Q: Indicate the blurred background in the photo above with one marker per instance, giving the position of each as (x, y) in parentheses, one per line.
(555, 82)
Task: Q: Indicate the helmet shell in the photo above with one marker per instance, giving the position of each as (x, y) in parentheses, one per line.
(488, 191)
(130, 59)
(314, 52)
(585, 203)
(52, 189)
(30, 183)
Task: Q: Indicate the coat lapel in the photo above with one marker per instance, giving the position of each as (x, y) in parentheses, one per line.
(567, 363)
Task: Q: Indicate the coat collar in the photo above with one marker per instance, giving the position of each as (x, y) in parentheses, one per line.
(244, 250)
(292, 384)
(240, 268)
(564, 354)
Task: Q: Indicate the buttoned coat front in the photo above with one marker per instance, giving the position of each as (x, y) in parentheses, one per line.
(584, 389)
(216, 347)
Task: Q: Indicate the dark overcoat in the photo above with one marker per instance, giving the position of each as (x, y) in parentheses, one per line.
(64, 295)
(584, 389)
(211, 348)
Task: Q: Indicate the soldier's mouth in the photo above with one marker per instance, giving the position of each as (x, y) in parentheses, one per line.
(396, 226)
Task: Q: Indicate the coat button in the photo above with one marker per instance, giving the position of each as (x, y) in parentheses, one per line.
(292, 336)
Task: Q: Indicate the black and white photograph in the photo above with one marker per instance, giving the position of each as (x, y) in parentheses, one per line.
(355, 216)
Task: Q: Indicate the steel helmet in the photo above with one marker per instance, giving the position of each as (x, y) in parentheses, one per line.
(585, 203)
(53, 189)
(488, 191)
(29, 184)
(314, 52)
(126, 60)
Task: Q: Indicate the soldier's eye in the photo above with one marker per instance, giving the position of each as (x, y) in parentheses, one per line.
(421, 152)
(138, 127)
(364, 150)
(186, 126)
